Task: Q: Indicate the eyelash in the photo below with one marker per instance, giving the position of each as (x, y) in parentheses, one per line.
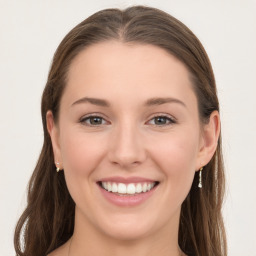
(90, 117)
(168, 119)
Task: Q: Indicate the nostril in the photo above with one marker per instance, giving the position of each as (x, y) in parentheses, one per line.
(126, 152)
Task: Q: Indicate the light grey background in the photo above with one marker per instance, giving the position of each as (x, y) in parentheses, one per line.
(29, 34)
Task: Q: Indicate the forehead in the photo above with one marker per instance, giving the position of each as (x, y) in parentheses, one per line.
(135, 70)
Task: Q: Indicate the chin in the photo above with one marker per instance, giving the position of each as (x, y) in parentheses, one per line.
(128, 227)
(128, 232)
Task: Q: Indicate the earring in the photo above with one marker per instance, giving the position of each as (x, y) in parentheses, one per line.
(200, 178)
(57, 167)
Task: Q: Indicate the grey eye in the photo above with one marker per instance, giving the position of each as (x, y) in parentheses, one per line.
(93, 120)
(161, 120)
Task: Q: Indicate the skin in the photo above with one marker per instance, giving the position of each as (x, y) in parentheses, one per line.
(128, 141)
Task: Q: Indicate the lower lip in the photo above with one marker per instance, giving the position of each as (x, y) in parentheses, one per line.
(127, 200)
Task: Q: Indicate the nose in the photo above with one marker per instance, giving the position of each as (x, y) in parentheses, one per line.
(126, 147)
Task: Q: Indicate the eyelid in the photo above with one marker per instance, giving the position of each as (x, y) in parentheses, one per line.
(85, 117)
(172, 119)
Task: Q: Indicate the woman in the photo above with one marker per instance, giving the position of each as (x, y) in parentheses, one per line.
(131, 124)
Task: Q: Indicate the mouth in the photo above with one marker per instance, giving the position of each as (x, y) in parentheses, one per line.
(128, 189)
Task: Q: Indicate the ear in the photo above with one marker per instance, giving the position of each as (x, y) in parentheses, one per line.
(54, 134)
(209, 140)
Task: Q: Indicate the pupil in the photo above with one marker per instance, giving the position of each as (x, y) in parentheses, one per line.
(160, 120)
(95, 120)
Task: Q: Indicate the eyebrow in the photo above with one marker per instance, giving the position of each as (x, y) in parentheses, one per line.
(149, 102)
(161, 101)
(94, 101)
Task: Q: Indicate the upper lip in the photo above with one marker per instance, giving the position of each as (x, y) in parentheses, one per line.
(126, 180)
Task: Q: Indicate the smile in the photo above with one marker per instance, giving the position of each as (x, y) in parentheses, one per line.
(128, 189)
(127, 192)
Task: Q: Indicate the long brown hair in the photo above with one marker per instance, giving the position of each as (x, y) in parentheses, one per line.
(48, 219)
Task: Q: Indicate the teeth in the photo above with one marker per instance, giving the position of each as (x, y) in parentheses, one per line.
(121, 188)
(105, 185)
(144, 187)
(138, 188)
(109, 187)
(130, 188)
(114, 188)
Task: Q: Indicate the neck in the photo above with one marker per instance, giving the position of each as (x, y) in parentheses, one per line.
(88, 241)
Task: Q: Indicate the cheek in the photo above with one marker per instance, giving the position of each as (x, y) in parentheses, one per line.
(177, 160)
(80, 152)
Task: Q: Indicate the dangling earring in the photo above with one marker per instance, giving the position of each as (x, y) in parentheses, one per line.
(200, 178)
(57, 167)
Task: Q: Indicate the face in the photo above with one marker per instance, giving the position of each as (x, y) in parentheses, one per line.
(128, 138)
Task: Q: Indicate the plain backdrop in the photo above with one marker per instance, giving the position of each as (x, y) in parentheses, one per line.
(30, 31)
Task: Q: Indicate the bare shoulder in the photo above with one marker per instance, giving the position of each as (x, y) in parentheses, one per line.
(60, 251)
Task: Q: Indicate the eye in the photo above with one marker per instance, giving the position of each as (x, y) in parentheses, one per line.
(162, 120)
(93, 120)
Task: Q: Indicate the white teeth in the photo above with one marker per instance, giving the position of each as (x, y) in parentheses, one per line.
(121, 188)
(105, 185)
(114, 188)
(144, 187)
(138, 188)
(109, 187)
(130, 188)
